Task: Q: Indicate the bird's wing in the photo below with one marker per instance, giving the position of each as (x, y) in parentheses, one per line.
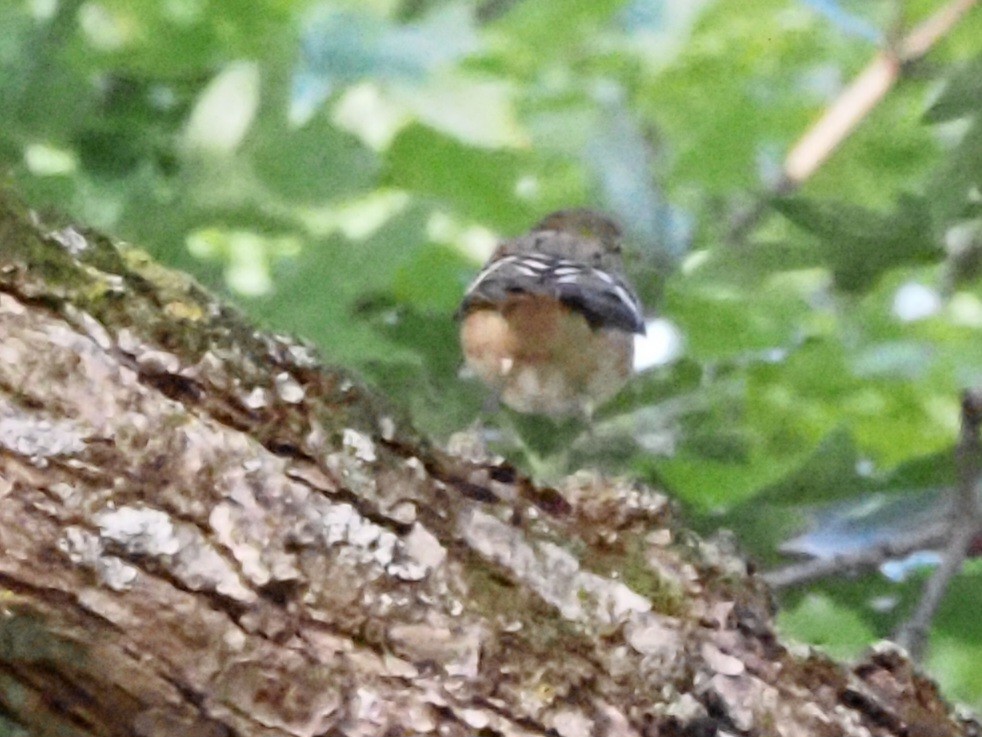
(603, 298)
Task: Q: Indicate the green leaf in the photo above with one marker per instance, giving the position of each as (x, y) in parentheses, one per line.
(745, 266)
(826, 474)
(954, 185)
(711, 484)
(539, 30)
(962, 94)
(312, 164)
(433, 280)
(321, 293)
(858, 244)
(721, 323)
(477, 183)
(821, 621)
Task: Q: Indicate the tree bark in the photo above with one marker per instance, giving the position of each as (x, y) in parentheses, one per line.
(204, 531)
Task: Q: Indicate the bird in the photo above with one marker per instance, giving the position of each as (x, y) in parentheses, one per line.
(549, 322)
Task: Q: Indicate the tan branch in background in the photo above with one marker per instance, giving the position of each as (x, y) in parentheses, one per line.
(865, 93)
(851, 108)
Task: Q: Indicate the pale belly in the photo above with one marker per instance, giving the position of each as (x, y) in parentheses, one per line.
(542, 360)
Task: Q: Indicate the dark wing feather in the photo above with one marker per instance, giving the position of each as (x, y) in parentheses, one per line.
(601, 297)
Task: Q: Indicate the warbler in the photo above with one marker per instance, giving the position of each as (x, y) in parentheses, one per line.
(549, 322)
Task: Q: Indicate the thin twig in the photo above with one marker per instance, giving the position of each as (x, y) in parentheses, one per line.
(868, 559)
(841, 118)
(852, 106)
(966, 525)
(919, 41)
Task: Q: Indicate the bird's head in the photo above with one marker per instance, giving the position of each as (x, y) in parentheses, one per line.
(584, 223)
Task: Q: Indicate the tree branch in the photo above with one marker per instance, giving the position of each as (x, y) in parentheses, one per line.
(852, 107)
(966, 525)
(798, 574)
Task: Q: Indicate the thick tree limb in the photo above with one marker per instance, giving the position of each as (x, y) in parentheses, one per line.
(206, 532)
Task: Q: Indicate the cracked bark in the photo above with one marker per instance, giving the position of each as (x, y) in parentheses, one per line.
(204, 531)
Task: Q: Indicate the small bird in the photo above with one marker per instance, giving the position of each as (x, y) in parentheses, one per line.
(549, 322)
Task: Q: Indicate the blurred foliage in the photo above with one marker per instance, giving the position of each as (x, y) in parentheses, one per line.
(343, 167)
